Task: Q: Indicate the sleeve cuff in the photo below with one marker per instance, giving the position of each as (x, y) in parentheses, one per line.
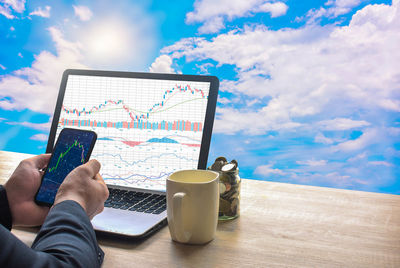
(75, 209)
(5, 213)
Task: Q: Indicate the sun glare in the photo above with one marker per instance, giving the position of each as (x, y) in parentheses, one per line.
(109, 40)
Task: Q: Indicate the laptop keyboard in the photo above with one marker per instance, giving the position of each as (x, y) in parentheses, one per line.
(136, 201)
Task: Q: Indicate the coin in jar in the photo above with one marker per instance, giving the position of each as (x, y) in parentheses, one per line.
(224, 206)
(222, 188)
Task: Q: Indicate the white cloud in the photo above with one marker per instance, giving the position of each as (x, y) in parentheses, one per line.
(358, 157)
(162, 64)
(6, 12)
(333, 9)
(342, 6)
(212, 25)
(380, 163)
(16, 5)
(7, 7)
(203, 68)
(394, 131)
(388, 104)
(312, 163)
(266, 170)
(2, 67)
(331, 174)
(38, 126)
(39, 137)
(276, 9)
(230, 121)
(214, 13)
(45, 13)
(36, 87)
(223, 100)
(370, 136)
(320, 138)
(252, 102)
(314, 72)
(341, 180)
(342, 124)
(83, 12)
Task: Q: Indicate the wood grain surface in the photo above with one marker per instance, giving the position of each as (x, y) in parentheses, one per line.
(281, 225)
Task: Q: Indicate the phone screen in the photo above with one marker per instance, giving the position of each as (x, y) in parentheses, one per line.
(72, 149)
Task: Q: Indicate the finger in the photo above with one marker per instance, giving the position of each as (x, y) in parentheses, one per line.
(91, 168)
(40, 161)
(94, 165)
(104, 187)
(99, 178)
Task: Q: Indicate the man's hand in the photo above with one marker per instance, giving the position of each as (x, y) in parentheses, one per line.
(21, 189)
(85, 186)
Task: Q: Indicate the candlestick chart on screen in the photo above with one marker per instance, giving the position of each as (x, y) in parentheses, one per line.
(146, 129)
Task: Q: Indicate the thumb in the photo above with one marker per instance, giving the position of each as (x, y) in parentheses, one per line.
(40, 161)
(90, 169)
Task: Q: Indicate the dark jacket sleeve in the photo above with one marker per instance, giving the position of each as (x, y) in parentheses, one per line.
(66, 239)
(5, 213)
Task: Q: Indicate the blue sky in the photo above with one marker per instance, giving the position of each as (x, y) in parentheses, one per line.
(310, 90)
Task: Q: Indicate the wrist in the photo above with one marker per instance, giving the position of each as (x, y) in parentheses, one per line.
(72, 197)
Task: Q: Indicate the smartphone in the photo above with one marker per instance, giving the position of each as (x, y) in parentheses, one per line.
(72, 149)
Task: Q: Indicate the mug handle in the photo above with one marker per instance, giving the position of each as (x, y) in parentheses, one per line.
(177, 206)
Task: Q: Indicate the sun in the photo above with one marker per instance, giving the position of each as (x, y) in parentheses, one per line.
(108, 41)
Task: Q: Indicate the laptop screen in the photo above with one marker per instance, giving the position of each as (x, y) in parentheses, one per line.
(147, 128)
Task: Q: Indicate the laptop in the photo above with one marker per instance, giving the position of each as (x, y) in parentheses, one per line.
(148, 125)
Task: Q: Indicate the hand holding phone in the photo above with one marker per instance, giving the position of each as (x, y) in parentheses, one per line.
(73, 148)
(85, 186)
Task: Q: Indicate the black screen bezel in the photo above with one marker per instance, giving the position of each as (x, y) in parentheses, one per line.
(210, 111)
(63, 132)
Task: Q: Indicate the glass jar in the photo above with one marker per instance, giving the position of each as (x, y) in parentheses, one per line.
(229, 188)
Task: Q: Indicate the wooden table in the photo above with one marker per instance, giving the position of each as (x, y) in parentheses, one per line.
(281, 225)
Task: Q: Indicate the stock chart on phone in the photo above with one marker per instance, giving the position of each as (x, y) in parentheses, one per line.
(70, 151)
(146, 128)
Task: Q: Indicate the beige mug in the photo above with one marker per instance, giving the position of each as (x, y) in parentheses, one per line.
(192, 205)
